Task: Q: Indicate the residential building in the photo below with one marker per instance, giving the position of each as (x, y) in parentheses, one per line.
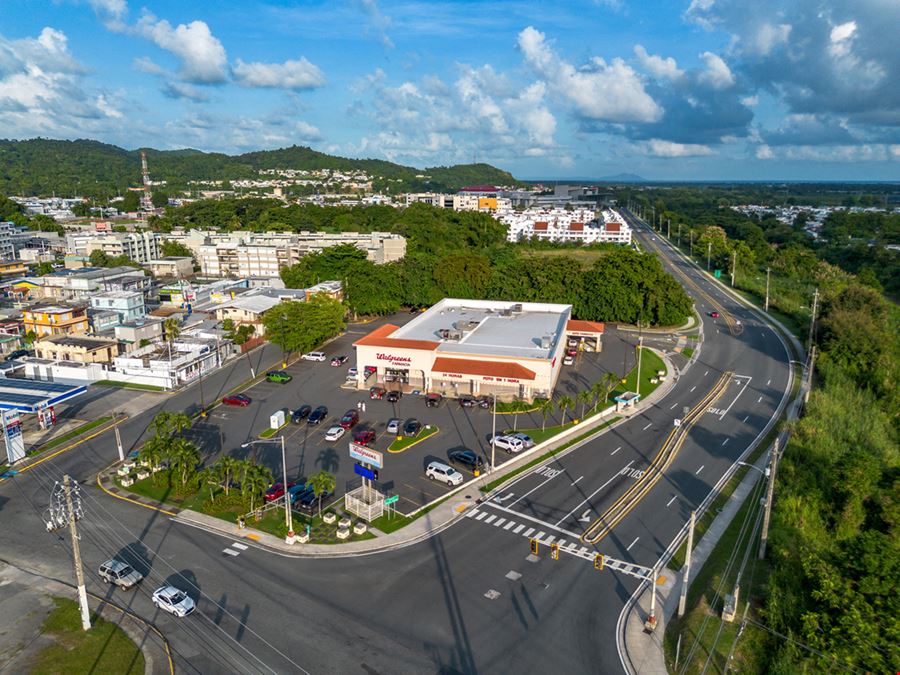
(484, 202)
(54, 319)
(137, 333)
(102, 320)
(171, 365)
(82, 284)
(579, 226)
(171, 266)
(249, 308)
(138, 246)
(77, 348)
(7, 248)
(129, 305)
(12, 268)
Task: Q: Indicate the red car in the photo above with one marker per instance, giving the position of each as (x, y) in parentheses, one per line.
(241, 400)
(714, 315)
(350, 418)
(364, 436)
(276, 492)
(376, 392)
(571, 351)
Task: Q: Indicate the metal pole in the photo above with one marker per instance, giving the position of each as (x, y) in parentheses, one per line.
(287, 498)
(770, 493)
(640, 349)
(494, 435)
(692, 243)
(767, 288)
(76, 556)
(733, 265)
(679, 235)
(682, 599)
(668, 228)
(708, 254)
(118, 437)
(652, 618)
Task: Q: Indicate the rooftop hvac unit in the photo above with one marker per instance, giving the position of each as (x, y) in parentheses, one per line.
(517, 308)
(546, 341)
(454, 335)
(505, 312)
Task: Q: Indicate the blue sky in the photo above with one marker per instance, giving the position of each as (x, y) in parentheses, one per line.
(701, 89)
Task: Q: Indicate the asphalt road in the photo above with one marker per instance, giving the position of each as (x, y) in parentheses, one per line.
(455, 603)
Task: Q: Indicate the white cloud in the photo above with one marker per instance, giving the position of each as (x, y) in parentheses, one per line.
(600, 91)
(203, 58)
(377, 20)
(660, 148)
(177, 90)
(764, 152)
(293, 74)
(307, 131)
(767, 37)
(535, 118)
(147, 65)
(750, 101)
(717, 74)
(659, 67)
(114, 8)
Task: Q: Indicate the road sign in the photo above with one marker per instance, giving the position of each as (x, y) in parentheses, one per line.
(366, 455)
(677, 423)
(717, 274)
(393, 499)
(360, 470)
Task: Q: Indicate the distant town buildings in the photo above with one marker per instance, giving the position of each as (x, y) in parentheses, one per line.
(558, 225)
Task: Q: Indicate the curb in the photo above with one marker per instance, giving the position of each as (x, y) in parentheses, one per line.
(436, 431)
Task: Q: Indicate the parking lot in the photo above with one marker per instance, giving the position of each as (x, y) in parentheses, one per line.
(226, 428)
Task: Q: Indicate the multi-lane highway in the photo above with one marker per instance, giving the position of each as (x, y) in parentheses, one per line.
(470, 599)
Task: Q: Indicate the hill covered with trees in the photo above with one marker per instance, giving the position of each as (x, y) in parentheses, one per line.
(89, 168)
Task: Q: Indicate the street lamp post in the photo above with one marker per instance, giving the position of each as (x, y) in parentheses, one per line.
(288, 520)
(494, 435)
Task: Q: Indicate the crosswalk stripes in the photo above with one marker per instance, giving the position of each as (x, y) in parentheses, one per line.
(235, 549)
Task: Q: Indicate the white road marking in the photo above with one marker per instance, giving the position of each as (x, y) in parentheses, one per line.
(492, 594)
(768, 383)
(706, 373)
(499, 522)
(481, 514)
(518, 529)
(577, 479)
(490, 518)
(539, 536)
(745, 419)
(230, 551)
(672, 406)
(615, 451)
(724, 412)
(725, 441)
(650, 424)
(500, 500)
(585, 517)
(528, 532)
(699, 470)
(549, 539)
(509, 524)
(632, 543)
(591, 496)
(534, 488)
(669, 503)
(512, 575)
(539, 522)
(242, 547)
(692, 388)
(759, 400)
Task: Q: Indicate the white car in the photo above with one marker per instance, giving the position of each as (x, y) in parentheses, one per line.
(334, 433)
(393, 426)
(509, 443)
(527, 440)
(445, 474)
(352, 373)
(568, 360)
(314, 356)
(173, 601)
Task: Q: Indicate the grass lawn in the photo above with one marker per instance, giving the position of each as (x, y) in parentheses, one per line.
(584, 258)
(105, 648)
(650, 363)
(77, 431)
(391, 522)
(693, 336)
(268, 433)
(507, 408)
(688, 352)
(401, 444)
(130, 385)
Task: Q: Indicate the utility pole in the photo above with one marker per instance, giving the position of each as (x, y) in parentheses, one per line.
(494, 435)
(65, 508)
(668, 228)
(770, 492)
(650, 623)
(640, 350)
(692, 243)
(679, 235)
(812, 320)
(733, 265)
(768, 269)
(708, 254)
(682, 599)
(118, 437)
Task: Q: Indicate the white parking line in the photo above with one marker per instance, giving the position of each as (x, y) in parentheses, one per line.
(745, 419)
(577, 479)
(615, 451)
(647, 427)
(669, 503)
(591, 496)
(699, 470)
(725, 441)
(632, 543)
(759, 399)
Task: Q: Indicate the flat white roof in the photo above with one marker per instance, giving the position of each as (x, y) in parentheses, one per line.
(491, 328)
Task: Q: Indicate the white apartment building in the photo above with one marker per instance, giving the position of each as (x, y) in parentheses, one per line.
(582, 226)
(129, 305)
(141, 247)
(7, 247)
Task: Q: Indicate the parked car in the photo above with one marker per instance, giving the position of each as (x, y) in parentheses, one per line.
(334, 433)
(433, 400)
(442, 472)
(301, 414)
(313, 356)
(276, 492)
(508, 443)
(571, 351)
(572, 342)
(352, 373)
(714, 315)
(376, 392)
(278, 376)
(349, 420)
(364, 436)
(240, 400)
(308, 502)
(485, 402)
(119, 574)
(339, 360)
(393, 426)
(527, 440)
(171, 600)
(568, 360)
(317, 415)
(298, 491)
(412, 427)
(393, 396)
(466, 458)
(467, 401)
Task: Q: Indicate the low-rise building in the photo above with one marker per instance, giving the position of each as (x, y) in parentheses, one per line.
(565, 226)
(140, 332)
(171, 266)
(79, 348)
(54, 319)
(129, 305)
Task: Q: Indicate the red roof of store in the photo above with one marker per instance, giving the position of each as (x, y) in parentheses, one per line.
(540, 225)
(613, 227)
(585, 326)
(576, 227)
(507, 369)
(380, 337)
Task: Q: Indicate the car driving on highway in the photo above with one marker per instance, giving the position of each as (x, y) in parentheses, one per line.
(119, 574)
(171, 600)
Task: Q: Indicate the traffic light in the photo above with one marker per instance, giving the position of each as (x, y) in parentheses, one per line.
(534, 547)
(554, 551)
(599, 561)
(375, 474)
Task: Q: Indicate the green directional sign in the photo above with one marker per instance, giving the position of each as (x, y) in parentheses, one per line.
(718, 274)
(391, 500)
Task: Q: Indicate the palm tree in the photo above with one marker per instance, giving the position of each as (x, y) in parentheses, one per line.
(256, 480)
(546, 408)
(184, 457)
(227, 468)
(322, 483)
(597, 391)
(565, 402)
(153, 452)
(172, 329)
(210, 478)
(585, 397)
(610, 380)
(178, 422)
(516, 405)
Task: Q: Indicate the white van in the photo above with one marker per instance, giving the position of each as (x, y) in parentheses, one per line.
(314, 356)
(509, 443)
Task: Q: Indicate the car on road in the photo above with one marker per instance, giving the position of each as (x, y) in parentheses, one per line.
(278, 376)
(527, 440)
(339, 360)
(349, 420)
(317, 415)
(412, 427)
(301, 414)
(376, 392)
(393, 426)
(352, 373)
(276, 492)
(119, 574)
(466, 458)
(508, 443)
(364, 436)
(313, 356)
(171, 600)
(334, 433)
(568, 360)
(393, 396)
(714, 315)
(467, 401)
(433, 400)
(241, 400)
(442, 472)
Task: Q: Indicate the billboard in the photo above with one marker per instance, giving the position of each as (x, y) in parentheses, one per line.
(366, 455)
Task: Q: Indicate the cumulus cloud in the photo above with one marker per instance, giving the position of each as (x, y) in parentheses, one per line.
(292, 74)
(176, 90)
(599, 91)
(306, 131)
(660, 148)
(202, 55)
(808, 129)
(378, 21)
(657, 66)
(717, 74)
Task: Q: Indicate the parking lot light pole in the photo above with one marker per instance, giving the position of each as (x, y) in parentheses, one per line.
(288, 520)
(494, 435)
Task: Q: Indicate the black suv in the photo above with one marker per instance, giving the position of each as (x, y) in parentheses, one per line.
(301, 413)
(467, 401)
(412, 427)
(317, 415)
(466, 458)
(393, 396)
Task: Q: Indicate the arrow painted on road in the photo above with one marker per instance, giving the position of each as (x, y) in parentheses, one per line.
(585, 517)
(500, 500)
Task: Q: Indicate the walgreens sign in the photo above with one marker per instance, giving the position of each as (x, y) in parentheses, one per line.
(393, 359)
